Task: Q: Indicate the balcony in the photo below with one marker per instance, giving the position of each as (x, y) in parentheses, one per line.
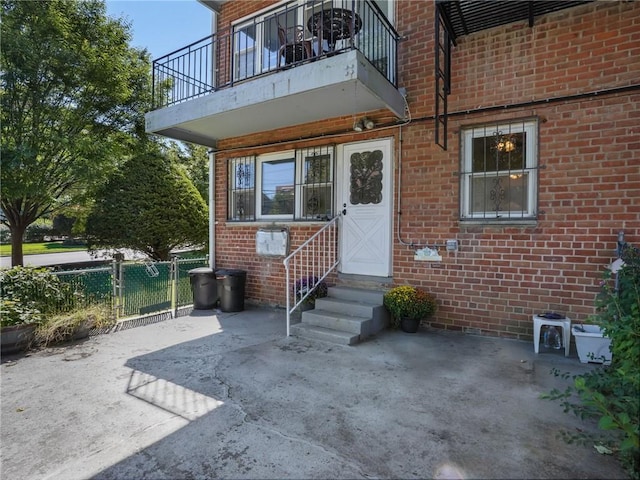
(297, 63)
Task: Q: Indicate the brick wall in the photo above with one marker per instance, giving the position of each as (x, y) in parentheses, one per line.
(589, 190)
(582, 49)
(589, 183)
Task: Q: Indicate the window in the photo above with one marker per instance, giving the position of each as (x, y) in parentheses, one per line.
(256, 43)
(499, 171)
(276, 180)
(290, 185)
(242, 197)
(315, 185)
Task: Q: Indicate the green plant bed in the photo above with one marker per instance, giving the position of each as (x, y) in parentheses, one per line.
(73, 325)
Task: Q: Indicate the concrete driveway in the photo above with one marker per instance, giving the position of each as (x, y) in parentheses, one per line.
(229, 396)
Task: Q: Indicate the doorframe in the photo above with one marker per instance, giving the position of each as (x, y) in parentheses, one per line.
(341, 186)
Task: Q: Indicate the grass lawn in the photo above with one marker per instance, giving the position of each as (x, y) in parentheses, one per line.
(44, 247)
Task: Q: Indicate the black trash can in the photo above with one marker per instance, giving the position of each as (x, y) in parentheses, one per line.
(231, 285)
(203, 286)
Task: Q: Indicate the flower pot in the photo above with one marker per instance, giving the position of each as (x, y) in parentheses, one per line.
(82, 331)
(409, 325)
(17, 337)
(591, 344)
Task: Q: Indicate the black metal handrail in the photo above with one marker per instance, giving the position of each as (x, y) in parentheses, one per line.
(234, 54)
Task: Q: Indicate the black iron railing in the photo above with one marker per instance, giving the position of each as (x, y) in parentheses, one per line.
(284, 37)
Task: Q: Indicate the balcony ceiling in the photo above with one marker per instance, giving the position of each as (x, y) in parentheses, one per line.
(214, 5)
(463, 17)
(344, 84)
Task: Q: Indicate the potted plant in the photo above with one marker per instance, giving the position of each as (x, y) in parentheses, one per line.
(408, 306)
(29, 296)
(311, 286)
(17, 325)
(26, 293)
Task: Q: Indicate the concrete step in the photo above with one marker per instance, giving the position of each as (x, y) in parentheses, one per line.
(346, 307)
(346, 316)
(304, 330)
(362, 295)
(337, 321)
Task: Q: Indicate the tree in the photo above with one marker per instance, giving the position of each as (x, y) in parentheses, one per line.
(148, 205)
(195, 160)
(63, 225)
(73, 94)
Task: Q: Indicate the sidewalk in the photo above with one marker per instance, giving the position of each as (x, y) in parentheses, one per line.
(229, 396)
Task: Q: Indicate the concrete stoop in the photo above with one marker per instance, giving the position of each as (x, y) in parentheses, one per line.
(346, 316)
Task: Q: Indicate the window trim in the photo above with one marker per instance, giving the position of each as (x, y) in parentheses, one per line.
(528, 125)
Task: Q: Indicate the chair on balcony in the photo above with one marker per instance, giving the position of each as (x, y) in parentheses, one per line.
(293, 46)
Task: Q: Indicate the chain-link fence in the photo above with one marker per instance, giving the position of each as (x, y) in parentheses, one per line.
(135, 288)
(92, 286)
(144, 288)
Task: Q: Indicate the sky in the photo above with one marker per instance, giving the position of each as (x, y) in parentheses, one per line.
(162, 26)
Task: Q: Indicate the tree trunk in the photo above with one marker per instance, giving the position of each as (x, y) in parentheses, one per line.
(17, 235)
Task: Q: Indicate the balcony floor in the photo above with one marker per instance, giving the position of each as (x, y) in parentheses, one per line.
(342, 84)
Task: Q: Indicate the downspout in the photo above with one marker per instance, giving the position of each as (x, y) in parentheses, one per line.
(212, 209)
(212, 157)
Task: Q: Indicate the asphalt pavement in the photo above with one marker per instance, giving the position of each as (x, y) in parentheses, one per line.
(228, 395)
(49, 259)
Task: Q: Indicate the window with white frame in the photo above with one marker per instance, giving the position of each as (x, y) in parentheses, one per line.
(242, 187)
(291, 185)
(498, 179)
(276, 182)
(257, 42)
(314, 187)
(245, 59)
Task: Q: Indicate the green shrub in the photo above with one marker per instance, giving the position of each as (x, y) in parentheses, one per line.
(611, 393)
(18, 313)
(28, 294)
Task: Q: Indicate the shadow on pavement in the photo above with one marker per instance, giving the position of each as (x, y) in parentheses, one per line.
(255, 404)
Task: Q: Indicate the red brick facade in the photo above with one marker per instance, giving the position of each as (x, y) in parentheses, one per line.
(588, 181)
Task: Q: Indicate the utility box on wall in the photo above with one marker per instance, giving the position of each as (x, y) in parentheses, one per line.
(272, 242)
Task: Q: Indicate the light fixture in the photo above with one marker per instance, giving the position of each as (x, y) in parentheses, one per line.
(505, 143)
(506, 146)
(362, 124)
(368, 123)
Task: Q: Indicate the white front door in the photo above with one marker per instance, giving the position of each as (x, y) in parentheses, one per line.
(367, 202)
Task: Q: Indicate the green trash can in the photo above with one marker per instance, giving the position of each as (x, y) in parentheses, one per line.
(231, 286)
(203, 286)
